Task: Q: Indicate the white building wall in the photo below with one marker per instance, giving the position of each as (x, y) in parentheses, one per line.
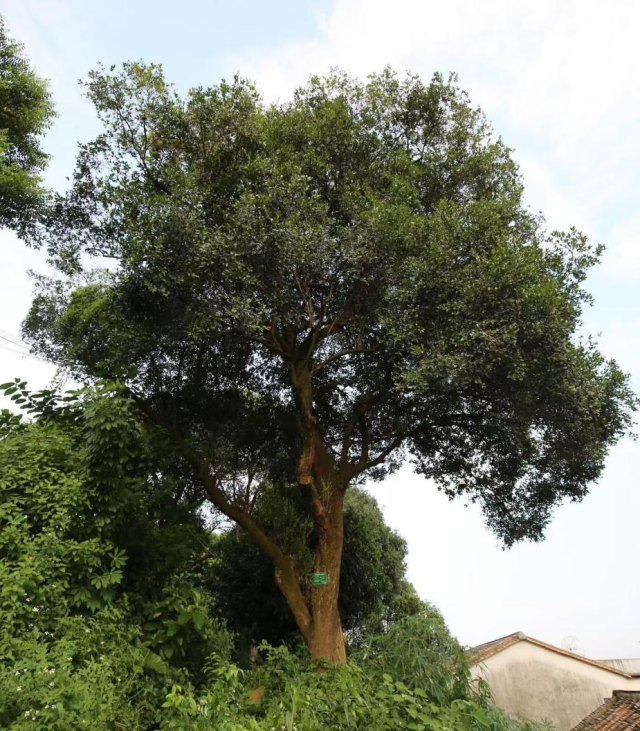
(529, 680)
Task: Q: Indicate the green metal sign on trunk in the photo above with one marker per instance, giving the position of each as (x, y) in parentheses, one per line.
(320, 578)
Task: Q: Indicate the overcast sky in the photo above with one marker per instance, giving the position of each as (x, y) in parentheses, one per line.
(559, 81)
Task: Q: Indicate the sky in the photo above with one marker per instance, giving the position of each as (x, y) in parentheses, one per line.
(558, 81)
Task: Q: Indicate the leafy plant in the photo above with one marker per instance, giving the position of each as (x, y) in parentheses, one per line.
(25, 113)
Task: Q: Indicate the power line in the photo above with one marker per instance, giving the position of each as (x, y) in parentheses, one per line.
(4, 335)
(12, 344)
(8, 345)
(17, 352)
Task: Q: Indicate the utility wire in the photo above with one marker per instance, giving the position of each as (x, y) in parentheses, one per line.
(12, 344)
(4, 335)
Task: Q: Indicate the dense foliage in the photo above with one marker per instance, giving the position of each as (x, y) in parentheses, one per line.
(109, 600)
(100, 633)
(75, 653)
(25, 113)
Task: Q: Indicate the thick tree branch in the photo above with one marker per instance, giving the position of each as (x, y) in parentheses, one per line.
(395, 443)
(339, 322)
(285, 568)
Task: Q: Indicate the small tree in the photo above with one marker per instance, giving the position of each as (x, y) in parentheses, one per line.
(25, 113)
(91, 519)
(312, 292)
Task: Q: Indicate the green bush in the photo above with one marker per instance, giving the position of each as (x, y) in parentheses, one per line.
(286, 692)
(98, 622)
(83, 675)
(420, 652)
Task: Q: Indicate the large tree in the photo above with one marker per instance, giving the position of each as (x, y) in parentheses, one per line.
(312, 292)
(25, 113)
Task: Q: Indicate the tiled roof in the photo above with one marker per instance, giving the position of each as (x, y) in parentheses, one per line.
(620, 713)
(629, 665)
(480, 653)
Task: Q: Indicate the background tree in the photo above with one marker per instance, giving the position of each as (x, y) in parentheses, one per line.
(25, 113)
(313, 292)
(374, 592)
(90, 518)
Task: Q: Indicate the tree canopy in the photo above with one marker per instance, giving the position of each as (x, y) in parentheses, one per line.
(307, 294)
(25, 113)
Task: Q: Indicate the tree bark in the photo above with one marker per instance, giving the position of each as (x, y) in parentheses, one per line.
(319, 477)
(326, 639)
(319, 622)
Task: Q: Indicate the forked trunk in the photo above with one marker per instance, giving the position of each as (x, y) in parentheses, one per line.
(319, 621)
(314, 606)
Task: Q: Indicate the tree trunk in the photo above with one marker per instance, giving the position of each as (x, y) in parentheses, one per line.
(315, 609)
(326, 639)
(321, 628)
(318, 476)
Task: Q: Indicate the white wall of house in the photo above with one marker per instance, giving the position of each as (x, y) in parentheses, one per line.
(529, 680)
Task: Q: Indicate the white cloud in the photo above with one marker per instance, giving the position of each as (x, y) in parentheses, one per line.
(543, 193)
(558, 79)
(622, 258)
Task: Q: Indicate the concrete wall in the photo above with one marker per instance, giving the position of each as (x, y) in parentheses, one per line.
(529, 680)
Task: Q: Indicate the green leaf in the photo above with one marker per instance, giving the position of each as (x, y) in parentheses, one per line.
(199, 619)
(184, 616)
(155, 662)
